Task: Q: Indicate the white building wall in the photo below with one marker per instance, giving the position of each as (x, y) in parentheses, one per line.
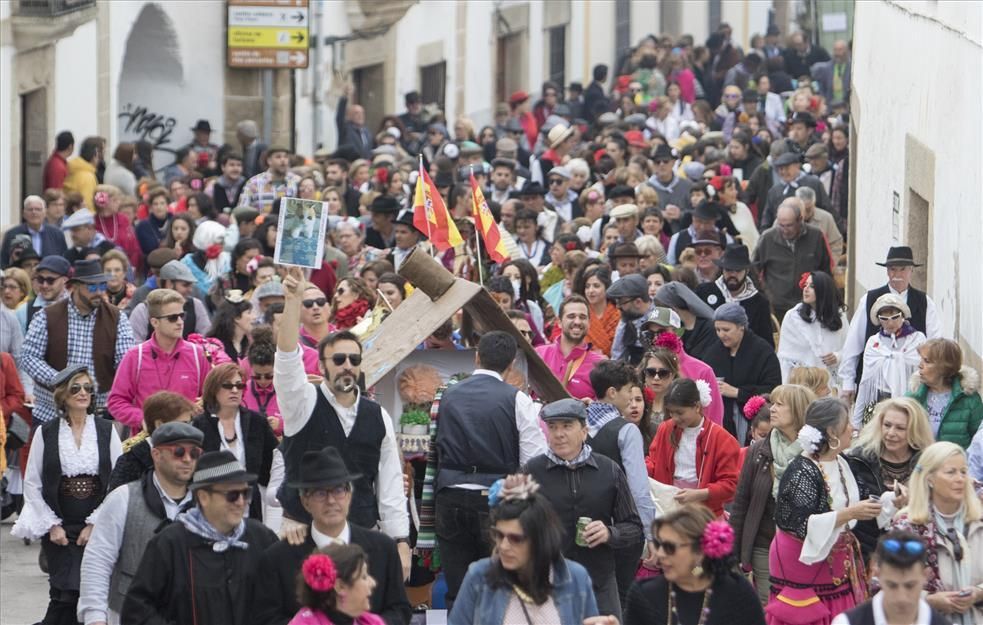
(6, 114)
(901, 89)
(746, 18)
(76, 85)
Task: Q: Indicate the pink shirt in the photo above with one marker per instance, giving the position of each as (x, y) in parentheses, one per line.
(579, 383)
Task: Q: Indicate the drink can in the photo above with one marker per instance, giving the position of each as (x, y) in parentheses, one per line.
(581, 524)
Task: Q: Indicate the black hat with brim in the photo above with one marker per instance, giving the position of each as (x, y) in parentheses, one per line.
(219, 467)
(385, 204)
(735, 258)
(900, 256)
(88, 271)
(319, 469)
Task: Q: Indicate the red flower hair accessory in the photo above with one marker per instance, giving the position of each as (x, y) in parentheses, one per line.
(649, 395)
(319, 572)
(253, 264)
(382, 175)
(196, 184)
(670, 341)
(717, 182)
(717, 541)
(570, 246)
(212, 251)
(752, 406)
(803, 279)
(100, 199)
(725, 169)
(598, 154)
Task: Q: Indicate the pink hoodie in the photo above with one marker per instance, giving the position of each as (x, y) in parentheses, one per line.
(146, 369)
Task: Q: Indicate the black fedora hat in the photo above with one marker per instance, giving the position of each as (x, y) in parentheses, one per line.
(900, 256)
(385, 204)
(202, 126)
(406, 218)
(219, 467)
(735, 258)
(532, 188)
(323, 468)
(88, 271)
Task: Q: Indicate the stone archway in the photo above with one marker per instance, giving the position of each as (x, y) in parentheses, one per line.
(151, 87)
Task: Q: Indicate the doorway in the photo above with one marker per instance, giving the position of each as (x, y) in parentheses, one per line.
(34, 140)
(370, 93)
(918, 236)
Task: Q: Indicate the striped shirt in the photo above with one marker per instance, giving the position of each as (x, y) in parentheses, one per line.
(261, 190)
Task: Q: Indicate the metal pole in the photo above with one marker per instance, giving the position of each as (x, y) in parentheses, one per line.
(315, 26)
(267, 106)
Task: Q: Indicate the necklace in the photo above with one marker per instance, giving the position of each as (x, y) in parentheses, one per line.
(672, 614)
(230, 440)
(848, 565)
(105, 230)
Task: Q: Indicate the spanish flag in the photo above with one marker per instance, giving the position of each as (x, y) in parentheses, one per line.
(430, 216)
(485, 223)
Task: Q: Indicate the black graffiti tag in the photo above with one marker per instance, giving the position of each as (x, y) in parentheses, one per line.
(154, 128)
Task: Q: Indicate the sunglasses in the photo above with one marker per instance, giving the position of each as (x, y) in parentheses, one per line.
(179, 451)
(318, 301)
(554, 182)
(46, 279)
(97, 288)
(238, 386)
(262, 376)
(669, 548)
(498, 537)
(172, 318)
(911, 547)
(662, 161)
(659, 374)
(339, 359)
(893, 317)
(233, 496)
(77, 388)
(957, 546)
(334, 492)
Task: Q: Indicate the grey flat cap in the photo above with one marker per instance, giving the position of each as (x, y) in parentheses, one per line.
(273, 288)
(176, 431)
(564, 409)
(633, 285)
(176, 270)
(66, 374)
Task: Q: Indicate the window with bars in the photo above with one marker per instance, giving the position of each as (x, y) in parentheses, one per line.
(433, 80)
(51, 8)
(558, 55)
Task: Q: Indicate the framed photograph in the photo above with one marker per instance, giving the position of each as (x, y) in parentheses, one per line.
(300, 232)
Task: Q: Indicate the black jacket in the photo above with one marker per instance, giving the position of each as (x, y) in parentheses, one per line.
(52, 242)
(754, 370)
(276, 592)
(260, 443)
(700, 339)
(866, 468)
(182, 581)
(757, 307)
(779, 192)
(132, 465)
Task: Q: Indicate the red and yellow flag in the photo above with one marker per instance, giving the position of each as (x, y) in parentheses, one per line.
(484, 221)
(430, 216)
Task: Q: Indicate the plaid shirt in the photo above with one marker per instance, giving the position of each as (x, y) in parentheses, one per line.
(80, 329)
(261, 190)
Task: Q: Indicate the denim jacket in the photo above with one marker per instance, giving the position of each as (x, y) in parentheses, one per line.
(477, 602)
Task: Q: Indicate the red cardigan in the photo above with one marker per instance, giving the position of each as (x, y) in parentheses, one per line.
(716, 461)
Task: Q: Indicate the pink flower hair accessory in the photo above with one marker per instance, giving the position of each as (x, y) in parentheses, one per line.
(718, 540)
(670, 341)
(319, 572)
(752, 406)
(100, 199)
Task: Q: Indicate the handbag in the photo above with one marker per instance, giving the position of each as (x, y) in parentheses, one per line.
(797, 606)
(18, 432)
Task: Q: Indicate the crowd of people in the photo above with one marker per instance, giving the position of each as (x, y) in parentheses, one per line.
(189, 436)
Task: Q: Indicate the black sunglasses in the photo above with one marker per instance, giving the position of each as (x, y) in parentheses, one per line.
(317, 301)
(46, 279)
(233, 385)
(233, 496)
(262, 376)
(172, 318)
(556, 181)
(659, 374)
(662, 161)
(498, 536)
(77, 388)
(339, 359)
(669, 548)
(957, 546)
(179, 451)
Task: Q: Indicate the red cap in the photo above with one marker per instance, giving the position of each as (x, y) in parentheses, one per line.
(636, 138)
(518, 97)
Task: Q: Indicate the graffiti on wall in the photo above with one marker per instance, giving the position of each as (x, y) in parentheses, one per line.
(139, 123)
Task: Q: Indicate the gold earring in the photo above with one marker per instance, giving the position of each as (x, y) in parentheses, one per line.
(697, 571)
(837, 445)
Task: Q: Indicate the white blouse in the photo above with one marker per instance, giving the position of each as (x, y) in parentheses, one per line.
(685, 475)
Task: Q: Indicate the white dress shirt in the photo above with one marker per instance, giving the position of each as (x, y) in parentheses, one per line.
(297, 398)
(924, 613)
(322, 540)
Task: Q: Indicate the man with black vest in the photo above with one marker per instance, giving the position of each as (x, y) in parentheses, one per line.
(924, 316)
(735, 285)
(325, 485)
(703, 227)
(487, 430)
(81, 330)
(612, 381)
(134, 514)
(334, 414)
(580, 483)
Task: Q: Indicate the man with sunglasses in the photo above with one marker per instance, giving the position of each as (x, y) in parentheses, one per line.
(175, 275)
(335, 414)
(202, 567)
(899, 566)
(164, 362)
(83, 329)
(49, 283)
(325, 486)
(135, 513)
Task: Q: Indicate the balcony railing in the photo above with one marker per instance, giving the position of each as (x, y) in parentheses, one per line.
(51, 8)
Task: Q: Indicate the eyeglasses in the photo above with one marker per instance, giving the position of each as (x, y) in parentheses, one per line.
(97, 288)
(556, 182)
(179, 451)
(76, 388)
(232, 496)
(174, 318)
(339, 359)
(317, 301)
(498, 537)
(667, 547)
(334, 492)
(238, 386)
(659, 374)
(662, 161)
(262, 376)
(703, 251)
(10, 286)
(957, 545)
(731, 96)
(911, 547)
(893, 317)
(46, 279)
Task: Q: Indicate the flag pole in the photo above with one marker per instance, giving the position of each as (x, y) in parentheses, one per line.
(478, 230)
(426, 215)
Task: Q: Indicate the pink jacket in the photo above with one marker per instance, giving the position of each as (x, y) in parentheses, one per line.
(146, 369)
(306, 616)
(579, 383)
(696, 369)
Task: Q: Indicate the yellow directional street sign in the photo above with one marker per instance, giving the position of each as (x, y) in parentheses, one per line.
(280, 38)
(268, 33)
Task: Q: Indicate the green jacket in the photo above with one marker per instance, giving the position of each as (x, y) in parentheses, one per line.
(963, 415)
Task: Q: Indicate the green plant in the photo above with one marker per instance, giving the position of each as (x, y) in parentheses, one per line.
(415, 417)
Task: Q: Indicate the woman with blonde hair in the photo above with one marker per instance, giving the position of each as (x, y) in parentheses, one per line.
(945, 512)
(753, 512)
(885, 454)
(815, 378)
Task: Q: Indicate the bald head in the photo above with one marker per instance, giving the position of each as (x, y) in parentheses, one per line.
(788, 219)
(356, 115)
(840, 51)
